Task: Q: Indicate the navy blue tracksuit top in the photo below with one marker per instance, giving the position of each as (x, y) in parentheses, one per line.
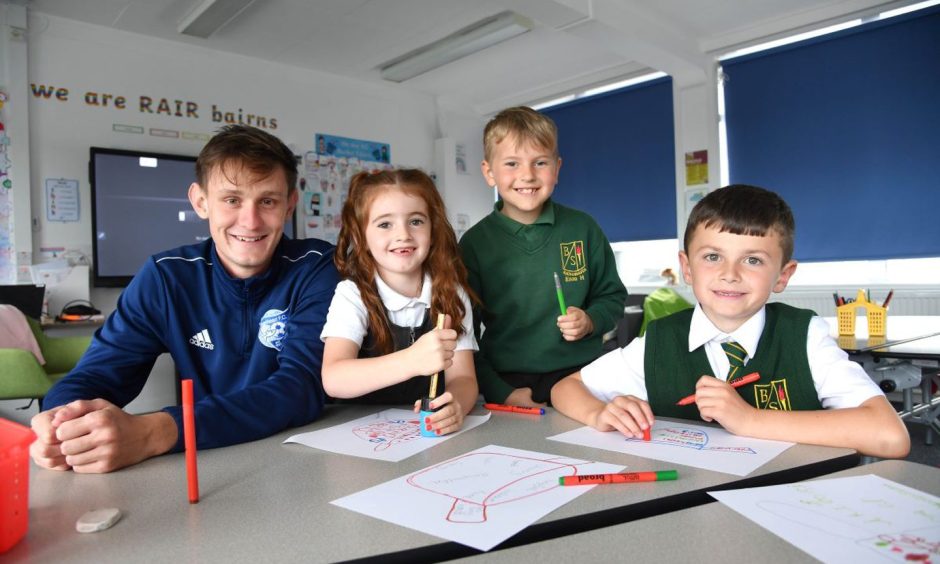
(252, 347)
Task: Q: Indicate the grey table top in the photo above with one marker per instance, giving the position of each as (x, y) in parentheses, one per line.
(266, 500)
(707, 533)
(908, 336)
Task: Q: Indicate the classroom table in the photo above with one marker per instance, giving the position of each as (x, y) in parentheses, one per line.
(908, 336)
(910, 339)
(269, 501)
(707, 533)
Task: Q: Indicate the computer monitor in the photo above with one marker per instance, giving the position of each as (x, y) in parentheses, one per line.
(139, 207)
(25, 297)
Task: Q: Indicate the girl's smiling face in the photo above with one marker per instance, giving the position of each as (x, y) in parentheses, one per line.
(398, 234)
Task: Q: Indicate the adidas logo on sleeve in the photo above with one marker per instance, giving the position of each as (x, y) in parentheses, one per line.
(201, 339)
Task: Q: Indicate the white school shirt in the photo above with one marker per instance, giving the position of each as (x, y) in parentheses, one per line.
(839, 382)
(348, 318)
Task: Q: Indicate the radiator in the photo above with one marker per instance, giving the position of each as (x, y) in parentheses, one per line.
(904, 302)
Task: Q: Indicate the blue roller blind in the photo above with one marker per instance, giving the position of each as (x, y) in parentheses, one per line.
(847, 129)
(618, 160)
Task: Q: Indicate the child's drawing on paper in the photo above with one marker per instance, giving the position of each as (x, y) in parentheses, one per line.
(854, 519)
(711, 448)
(391, 435)
(913, 546)
(480, 498)
(388, 432)
(687, 437)
(484, 479)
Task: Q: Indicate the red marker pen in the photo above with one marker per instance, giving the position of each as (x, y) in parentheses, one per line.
(189, 440)
(514, 408)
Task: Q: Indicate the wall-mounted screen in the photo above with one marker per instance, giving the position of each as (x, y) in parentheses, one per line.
(140, 207)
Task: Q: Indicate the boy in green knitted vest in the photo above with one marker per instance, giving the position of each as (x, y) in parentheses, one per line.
(738, 248)
(512, 257)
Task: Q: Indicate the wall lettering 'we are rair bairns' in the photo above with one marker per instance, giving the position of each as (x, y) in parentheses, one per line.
(155, 105)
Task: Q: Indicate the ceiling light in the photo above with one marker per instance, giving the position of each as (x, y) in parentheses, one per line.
(475, 37)
(211, 15)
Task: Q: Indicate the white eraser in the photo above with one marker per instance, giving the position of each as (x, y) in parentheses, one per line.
(98, 520)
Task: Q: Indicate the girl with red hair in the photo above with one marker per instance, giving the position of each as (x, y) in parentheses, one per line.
(401, 266)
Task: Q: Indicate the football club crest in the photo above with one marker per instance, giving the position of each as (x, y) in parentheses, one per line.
(272, 330)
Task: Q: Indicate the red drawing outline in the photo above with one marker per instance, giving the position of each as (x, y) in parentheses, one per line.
(484, 505)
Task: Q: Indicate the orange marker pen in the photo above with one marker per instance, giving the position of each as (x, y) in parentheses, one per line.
(514, 408)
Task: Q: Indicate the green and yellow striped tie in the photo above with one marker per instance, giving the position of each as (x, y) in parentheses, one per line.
(736, 356)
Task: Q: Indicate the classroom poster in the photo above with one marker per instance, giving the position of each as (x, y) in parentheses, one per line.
(854, 519)
(62, 202)
(345, 147)
(7, 261)
(324, 184)
(696, 168)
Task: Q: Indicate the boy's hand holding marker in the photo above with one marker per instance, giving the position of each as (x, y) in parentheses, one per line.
(628, 414)
(449, 417)
(574, 323)
(720, 401)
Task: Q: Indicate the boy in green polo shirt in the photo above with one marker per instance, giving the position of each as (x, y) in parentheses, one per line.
(738, 248)
(512, 257)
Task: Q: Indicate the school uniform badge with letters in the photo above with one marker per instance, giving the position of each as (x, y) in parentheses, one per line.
(573, 262)
(772, 395)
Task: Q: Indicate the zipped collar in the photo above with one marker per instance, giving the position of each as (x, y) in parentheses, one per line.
(247, 288)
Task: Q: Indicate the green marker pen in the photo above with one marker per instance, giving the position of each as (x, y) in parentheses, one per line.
(561, 295)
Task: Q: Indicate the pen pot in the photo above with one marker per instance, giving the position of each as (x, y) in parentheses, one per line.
(14, 482)
(876, 315)
(426, 412)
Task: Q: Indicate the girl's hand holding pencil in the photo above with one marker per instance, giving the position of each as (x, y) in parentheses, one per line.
(433, 351)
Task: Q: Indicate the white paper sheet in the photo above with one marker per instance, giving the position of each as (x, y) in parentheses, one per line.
(478, 499)
(855, 519)
(390, 435)
(710, 448)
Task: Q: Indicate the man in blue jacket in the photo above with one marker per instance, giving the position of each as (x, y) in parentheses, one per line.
(241, 315)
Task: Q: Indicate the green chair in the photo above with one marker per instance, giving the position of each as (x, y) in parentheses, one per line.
(21, 375)
(660, 303)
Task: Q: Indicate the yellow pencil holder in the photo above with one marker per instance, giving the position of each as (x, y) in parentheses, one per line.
(877, 316)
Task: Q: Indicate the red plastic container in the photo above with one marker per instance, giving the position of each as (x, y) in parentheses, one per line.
(14, 482)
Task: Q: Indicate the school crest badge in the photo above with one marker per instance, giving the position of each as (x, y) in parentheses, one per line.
(573, 263)
(772, 395)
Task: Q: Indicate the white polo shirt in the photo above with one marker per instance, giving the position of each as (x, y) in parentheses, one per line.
(348, 318)
(839, 382)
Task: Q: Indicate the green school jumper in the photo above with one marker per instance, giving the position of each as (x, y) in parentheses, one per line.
(510, 267)
(786, 381)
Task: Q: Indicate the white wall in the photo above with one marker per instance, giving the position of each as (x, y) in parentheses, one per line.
(87, 58)
(13, 62)
(464, 191)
